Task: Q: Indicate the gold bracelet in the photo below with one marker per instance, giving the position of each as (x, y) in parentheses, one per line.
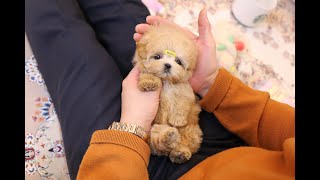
(134, 129)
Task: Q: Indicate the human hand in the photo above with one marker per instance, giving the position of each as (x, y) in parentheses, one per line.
(138, 108)
(207, 64)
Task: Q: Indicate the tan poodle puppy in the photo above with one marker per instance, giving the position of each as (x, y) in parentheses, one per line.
(166, 55)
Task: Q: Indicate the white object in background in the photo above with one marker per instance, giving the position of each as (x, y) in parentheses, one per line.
(251, 12)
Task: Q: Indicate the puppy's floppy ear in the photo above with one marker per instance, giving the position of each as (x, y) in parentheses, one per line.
(141, 49)
(140, 55)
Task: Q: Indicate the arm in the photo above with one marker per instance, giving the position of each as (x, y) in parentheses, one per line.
(249, 113)
(115, 155)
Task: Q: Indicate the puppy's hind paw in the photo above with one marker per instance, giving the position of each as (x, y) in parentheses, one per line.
(180, 156)
(170, 137)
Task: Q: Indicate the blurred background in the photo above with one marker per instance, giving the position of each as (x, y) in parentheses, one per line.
(262, 56)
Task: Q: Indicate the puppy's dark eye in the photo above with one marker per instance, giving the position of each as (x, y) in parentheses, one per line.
(157, 57)
(178, 61)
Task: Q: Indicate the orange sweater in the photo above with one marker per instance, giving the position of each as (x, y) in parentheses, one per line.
(266, 125)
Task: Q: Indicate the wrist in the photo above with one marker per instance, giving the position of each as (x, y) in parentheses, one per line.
(131, 128)
(145, 125)
(208, 83)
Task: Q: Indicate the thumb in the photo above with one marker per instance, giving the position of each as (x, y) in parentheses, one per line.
(133, 76)
(204, 26)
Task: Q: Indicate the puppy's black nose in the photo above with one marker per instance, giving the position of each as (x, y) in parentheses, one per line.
(167, 65)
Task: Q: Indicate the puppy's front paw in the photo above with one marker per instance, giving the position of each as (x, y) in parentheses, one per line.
(180, 155)
(147, 85)
(178, 121)
(149, 82)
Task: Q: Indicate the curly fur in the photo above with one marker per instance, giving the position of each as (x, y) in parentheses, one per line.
(175, 132)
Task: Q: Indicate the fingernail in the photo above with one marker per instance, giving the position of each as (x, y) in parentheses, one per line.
(206, 13)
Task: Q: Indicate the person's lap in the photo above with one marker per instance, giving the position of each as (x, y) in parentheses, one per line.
(83, 68)
(81, 77)
(114, 23)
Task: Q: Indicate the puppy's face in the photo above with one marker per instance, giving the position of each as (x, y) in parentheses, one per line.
(167, 53)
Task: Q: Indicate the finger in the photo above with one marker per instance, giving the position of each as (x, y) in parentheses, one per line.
(153, 20)
(204, 26)
(157, 19)
(137, 37)
(142, 28)
(134, 73)
(133, 76)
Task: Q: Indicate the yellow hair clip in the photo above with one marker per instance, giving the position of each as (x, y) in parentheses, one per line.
(170, 53)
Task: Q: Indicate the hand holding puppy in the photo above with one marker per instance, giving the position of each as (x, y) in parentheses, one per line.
(166, 55)
(207, 64)
(139, 108)
(192, 58)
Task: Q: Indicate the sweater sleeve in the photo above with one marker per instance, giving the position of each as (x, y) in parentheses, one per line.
(249, 113)
(115, 155)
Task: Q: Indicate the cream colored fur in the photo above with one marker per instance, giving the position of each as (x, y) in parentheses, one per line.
(175, 132)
